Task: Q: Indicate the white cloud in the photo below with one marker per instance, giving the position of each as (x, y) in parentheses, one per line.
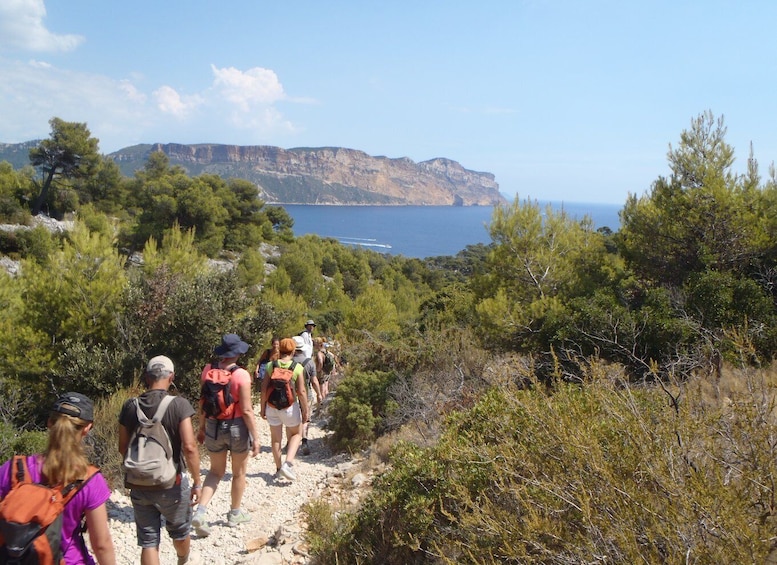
(170, 102)
(32, 93)
(40, 64)
(131, 91)
(248, 89)
(234, 107)
(22, 27)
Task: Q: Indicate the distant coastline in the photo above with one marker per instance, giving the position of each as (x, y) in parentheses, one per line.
(420, 231)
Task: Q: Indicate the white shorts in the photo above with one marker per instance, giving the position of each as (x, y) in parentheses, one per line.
(290, 417)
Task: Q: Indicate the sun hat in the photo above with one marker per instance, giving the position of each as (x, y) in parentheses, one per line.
(310, 323)
(75, 404)
(299, 343)
(231, 346)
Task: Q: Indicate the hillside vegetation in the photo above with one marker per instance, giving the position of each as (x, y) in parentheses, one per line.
(562, 395)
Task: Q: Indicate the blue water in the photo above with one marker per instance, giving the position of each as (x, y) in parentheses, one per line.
(420, 231)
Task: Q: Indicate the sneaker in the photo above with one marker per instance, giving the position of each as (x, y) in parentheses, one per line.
(305, 450)
(200, 525)
(240, 518)
(287, 472)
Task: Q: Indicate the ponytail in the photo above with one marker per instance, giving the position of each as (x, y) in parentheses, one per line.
(64, 459)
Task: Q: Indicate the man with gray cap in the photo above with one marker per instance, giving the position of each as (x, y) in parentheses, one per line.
(174, 504)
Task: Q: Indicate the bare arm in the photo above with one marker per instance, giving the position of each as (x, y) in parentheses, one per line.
(123, 440)
(100, 535)
(247, 406)
(302, 394)
(192, 456)
(263, 399)
(201, 430)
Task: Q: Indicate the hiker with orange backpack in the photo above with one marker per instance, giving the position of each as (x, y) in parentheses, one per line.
(283, 384)
(227, 425)
(59, 477)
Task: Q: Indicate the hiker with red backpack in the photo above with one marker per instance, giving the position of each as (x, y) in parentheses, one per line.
(227, 425)
(282, 386)
(53, 491)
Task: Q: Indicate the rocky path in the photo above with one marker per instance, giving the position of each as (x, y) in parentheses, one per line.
(274, 535)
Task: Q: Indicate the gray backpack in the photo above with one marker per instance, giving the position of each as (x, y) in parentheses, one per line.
(149, 460)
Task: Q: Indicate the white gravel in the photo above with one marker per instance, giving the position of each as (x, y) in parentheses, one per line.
(273, 505)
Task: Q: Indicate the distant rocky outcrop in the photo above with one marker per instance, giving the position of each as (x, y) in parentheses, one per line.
(18, 154)
(327, 175)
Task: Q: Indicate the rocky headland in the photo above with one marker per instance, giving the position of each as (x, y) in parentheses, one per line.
(327, 175)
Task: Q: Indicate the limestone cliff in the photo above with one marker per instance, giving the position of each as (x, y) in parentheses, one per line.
(328, 175)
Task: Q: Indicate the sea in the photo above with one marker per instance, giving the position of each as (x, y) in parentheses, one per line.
(421, 231)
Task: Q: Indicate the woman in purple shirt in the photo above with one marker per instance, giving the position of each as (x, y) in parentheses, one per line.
(64, 462)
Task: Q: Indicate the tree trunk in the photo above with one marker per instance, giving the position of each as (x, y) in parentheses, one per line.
(43, 195)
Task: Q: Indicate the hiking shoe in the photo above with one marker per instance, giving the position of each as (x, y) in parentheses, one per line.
(200, 525)
(240, 518)
(287, 472)
(305, 450)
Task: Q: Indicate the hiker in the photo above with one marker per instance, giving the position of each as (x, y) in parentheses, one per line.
(325, 366)
(311, 384)
(307, 336)
(233, 431)
(270, 354)
(153, 498)
(291, 416)
(64, 463)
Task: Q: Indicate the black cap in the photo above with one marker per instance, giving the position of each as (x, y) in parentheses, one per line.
(75, 404)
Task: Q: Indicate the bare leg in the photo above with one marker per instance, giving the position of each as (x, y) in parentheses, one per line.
(149, 556)
(317, 388)
(182, 546)
(239, 465)
(276, 437)
(295, 438)
(218, 467)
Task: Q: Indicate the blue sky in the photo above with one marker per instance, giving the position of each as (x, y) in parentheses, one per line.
(565, 100)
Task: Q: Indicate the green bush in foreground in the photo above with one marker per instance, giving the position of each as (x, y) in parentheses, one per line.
(361, 403)
(603, 473)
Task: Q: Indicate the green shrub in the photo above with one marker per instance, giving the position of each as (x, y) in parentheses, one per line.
(358, 408)
(30, 442)
(604, 472)
(322, 523)
(13, 442)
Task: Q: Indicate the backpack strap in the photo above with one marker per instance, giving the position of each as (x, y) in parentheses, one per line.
(158, 415)
(69, 491)
(22, 473)
(162, 409)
